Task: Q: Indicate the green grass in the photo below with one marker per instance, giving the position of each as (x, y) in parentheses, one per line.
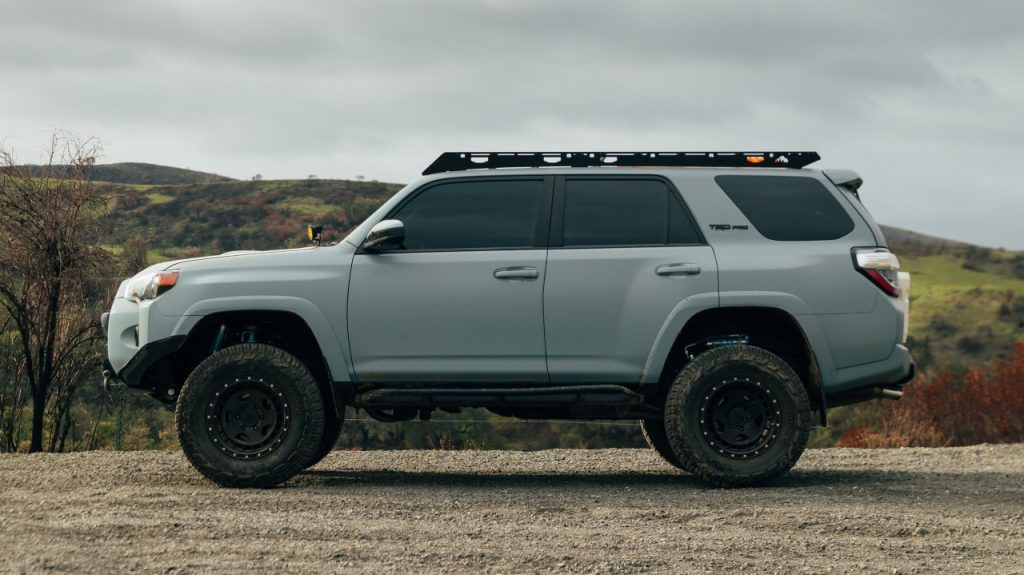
(158, 198)
(135, 187)
(307, 206)
(959, 315)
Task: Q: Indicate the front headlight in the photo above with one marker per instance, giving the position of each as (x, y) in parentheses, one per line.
(150, 286)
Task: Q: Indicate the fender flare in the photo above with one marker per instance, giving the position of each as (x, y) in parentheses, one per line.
(333, 347)
(795, 307)
(670, 329)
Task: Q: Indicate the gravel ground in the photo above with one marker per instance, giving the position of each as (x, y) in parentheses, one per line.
(605, 511)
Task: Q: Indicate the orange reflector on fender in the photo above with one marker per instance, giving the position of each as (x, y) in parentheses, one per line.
(755, 159)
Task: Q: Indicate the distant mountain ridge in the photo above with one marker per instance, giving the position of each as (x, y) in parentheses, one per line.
(152, 174)
(140, 173)
(903, 236)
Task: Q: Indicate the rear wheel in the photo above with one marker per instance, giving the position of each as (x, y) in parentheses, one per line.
(250, 416)
(737, 415)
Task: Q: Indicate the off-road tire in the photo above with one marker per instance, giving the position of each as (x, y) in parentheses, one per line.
(654, 433)
(740, 375)
(332, 431)
(228, 375)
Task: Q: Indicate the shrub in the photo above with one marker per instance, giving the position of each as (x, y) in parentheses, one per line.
(899, 429)
(981, 406)
(970, 344)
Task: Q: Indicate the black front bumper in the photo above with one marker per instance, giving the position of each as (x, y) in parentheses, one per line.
(133, 373)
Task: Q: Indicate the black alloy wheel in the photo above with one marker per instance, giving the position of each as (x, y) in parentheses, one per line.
(248, 418)
(740, 418)
(737, 415)
(250, 415)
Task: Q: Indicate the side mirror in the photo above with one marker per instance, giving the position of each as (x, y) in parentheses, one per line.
(385, 235)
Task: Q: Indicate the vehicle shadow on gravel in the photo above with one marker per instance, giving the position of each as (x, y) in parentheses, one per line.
(797, 479)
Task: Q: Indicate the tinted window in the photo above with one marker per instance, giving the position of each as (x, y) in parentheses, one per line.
(620, 212)
(788, 208)
(499, 214)
(681, 229)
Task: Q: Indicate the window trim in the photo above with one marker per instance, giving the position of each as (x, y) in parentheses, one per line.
(541, 228)
(558, 212)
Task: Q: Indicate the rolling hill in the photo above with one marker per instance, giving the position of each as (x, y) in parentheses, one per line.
(141, 174)
(967, 301)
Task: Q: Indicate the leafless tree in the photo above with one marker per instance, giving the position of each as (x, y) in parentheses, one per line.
(51, 218)
(12, 390)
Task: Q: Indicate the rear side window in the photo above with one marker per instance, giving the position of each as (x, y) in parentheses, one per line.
(788, 208)
(496, 214)
(623, 212)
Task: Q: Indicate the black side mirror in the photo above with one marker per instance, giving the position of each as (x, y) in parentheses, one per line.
(385, 235)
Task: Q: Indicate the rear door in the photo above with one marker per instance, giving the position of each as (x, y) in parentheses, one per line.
(625, 251)
(462, 301)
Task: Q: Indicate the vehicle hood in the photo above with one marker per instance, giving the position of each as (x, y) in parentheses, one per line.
(225, 258)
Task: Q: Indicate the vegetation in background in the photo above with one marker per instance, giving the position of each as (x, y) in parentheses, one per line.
(983, 405)
(50, 226)
(184, 221)
(967, 310)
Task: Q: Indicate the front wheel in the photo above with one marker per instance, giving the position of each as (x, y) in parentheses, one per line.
(332, 431)
(250, 416)
(737, 415)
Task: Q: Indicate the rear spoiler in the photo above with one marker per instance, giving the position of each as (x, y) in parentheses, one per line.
(846, 179)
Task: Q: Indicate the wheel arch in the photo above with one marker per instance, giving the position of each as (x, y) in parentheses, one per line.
(772, 328)
(333, 349)
(281, 327)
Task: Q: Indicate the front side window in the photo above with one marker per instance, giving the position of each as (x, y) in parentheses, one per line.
(623, 212)
(497, 214)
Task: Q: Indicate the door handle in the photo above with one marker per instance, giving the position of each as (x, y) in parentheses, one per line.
(516, 273)
(677, 270)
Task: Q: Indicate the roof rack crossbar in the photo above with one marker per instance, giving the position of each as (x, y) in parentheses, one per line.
(462, 161)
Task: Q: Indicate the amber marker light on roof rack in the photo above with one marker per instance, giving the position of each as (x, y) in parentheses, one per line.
(755, 159)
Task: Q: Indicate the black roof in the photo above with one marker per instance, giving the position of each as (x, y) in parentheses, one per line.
(462, 161)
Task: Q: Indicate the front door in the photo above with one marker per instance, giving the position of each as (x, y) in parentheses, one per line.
(462, 301)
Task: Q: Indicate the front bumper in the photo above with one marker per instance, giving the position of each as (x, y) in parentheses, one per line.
(134, 371)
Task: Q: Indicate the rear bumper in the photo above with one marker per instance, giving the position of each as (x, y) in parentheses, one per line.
(870, 381)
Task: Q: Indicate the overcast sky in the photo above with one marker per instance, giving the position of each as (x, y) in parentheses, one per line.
(925, 99)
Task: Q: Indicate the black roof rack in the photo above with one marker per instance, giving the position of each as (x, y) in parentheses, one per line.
(462, 161)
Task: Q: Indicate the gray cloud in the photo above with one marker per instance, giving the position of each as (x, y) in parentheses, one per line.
(923, 98)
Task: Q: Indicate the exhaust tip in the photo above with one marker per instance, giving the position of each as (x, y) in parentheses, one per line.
(888, 393)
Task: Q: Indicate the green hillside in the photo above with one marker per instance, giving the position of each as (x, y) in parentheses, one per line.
(152, 174)
(967, 301)
(211, 218)
(142, 174)
(967, 304)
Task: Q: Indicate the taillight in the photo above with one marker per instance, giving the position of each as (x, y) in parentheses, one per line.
(880, 266)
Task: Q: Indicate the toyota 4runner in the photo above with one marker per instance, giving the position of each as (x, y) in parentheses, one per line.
(724, 300)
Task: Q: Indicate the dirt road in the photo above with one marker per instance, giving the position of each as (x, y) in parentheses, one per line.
(608, 511)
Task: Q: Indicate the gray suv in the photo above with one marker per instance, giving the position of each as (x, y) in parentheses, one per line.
(724, 300)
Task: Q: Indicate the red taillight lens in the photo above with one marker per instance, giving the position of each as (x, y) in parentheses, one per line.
(880, 266)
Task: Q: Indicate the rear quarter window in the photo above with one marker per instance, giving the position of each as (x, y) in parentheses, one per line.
(788, 208)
